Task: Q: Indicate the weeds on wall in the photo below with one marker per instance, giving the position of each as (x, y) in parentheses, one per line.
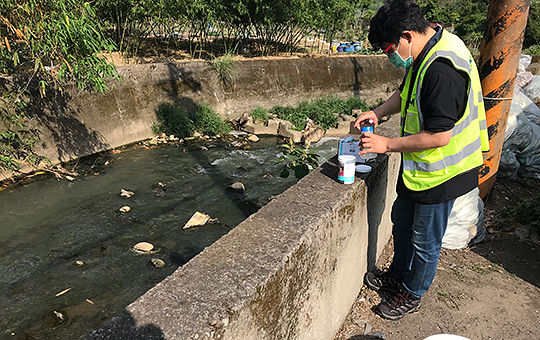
(324, 111)
(17, 141)
(259, 115)
(226, 67)
(175, 120)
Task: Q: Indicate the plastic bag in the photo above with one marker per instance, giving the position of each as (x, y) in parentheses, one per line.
(523, 77)
(466, 221)
(526, 105)
(522, 146)
(533, 90)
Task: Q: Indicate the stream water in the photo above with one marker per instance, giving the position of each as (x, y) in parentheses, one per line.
(47, 226)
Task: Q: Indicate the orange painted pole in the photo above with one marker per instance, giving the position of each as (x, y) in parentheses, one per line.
(499, 59)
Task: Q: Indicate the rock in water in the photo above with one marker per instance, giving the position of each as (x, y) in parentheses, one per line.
(125, 209)
(126, 193)
(158, 263)
(253, 138)
(238, 187)
(79, 263)
(198, 219)
(143, 247)
(59, 315)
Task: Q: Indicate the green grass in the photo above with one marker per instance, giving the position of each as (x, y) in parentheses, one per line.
(324, 111)
(532, 50)
(226, 67)
(526, 212)
(259, 114)
(173, 119)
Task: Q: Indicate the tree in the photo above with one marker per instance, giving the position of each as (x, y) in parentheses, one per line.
(52, 42)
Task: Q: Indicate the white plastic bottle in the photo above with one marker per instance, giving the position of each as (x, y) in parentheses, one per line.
(369, 155)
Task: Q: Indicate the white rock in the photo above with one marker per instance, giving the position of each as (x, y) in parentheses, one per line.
(79, 263)
(126, 193)
(198, 219)
(59, 315)
(143, 247)
(69, 178)
(253, 138)
(196, 134)
(238, 187)
(158, 263)
(125, 209)
(237, 133)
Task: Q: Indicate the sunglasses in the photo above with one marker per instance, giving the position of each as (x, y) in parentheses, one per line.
(389, 50)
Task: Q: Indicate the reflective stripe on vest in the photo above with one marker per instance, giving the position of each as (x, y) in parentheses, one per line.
(447, 161)
(429, 168)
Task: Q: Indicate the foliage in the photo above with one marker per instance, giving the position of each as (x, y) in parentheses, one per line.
(324, 111)
(526, 212)
(17, 142)
(58, 41)
(467, 17)
(207, 121)
(174, 119)
(226, 67)
(532, 50)
(532, 32)
(298, 160)
(51, 42)
(259, 114)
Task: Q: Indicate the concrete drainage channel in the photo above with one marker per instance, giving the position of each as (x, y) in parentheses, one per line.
(290, 271)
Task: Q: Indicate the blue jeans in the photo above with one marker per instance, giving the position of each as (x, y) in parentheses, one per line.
(418, 232)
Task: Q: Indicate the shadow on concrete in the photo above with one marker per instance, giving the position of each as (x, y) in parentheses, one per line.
(64, 128)
(365, 337)
(124, 326)
(377, 185)
(521, 260)
(357, 69)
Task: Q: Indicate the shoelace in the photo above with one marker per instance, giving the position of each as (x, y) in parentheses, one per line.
(399, 299)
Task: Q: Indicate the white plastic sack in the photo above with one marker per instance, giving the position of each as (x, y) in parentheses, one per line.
(533, 90)
(525, 61)
(466, 221)
(528, 107)
(511, 121)
(523, 77)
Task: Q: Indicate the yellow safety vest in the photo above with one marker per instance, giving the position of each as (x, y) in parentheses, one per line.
(429, 168)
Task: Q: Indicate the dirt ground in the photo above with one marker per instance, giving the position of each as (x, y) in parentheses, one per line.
(488, 291)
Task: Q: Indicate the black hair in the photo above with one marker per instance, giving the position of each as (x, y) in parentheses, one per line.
(394, 17)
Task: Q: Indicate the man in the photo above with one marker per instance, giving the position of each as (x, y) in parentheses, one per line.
(442, 136)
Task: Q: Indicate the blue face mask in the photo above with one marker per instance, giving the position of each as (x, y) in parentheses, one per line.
(398, 61)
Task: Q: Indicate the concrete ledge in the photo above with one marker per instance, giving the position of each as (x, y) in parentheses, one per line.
(290, 271)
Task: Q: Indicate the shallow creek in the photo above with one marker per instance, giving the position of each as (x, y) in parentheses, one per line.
(48, 226)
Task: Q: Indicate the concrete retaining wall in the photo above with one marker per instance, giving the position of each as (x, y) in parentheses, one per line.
(290, 271)
(75, 124)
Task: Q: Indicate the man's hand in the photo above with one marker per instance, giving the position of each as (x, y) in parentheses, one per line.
(374, 143)
(365, 117)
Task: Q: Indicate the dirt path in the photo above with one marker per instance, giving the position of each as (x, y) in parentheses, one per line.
(488, 291)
